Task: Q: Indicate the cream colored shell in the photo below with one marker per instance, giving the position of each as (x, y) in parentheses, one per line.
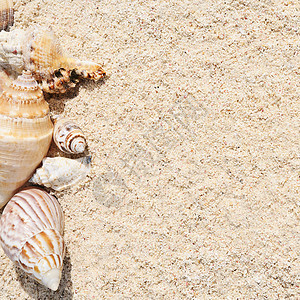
(31, 235)
(60, 173)
(68, 136)
(25, 132)
(38, 50)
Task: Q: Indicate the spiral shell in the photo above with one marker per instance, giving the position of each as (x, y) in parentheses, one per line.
(25, 132)
(39, 51)
(68, 136)
(60, 173)
(31, 235)
(6, 14)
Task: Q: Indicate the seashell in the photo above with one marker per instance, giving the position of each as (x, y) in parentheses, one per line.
(25, 132)
(11, 58)
(60, 173)
(31, 235)
(6, 14)
(39, 51)
(68, 136)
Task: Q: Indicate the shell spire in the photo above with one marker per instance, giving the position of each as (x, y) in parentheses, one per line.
(31, 235)
(25, 132)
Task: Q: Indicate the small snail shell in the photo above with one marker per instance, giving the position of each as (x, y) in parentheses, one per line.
(25, 132)
(31, 235)
(6, 14)
(68, 136)
(60, 173)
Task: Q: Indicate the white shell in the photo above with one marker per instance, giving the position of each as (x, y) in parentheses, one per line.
(60, 173)
(68, 136)
(31, 234)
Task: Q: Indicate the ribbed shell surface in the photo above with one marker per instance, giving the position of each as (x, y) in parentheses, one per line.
(31, 232)
(68, 136)
(25, 132)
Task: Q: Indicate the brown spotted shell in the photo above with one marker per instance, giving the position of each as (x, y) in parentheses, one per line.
(68, 136)
(31, 235)
(25, 132)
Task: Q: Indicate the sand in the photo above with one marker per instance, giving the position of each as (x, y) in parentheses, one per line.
(194, 137)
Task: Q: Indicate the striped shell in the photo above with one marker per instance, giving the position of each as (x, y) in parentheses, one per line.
(31, 235)
(39, 51)
(6, 14)
(68, 137)
(60, 173)
(25, 132)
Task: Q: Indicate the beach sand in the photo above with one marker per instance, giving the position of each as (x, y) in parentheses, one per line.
(194, 137)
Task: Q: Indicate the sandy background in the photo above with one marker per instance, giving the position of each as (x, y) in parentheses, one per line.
(194, 189)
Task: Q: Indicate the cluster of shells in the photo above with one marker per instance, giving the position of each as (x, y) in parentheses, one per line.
(31, 227)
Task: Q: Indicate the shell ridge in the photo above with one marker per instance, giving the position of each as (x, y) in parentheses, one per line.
(28, 209)
(25, 213)
(37, 243)
(53, 249)
(50, 228)
(24, 242)
(35, 249)
(41, 209)
(60, 219)
(44, 207)
(55, 212)
(31, 237)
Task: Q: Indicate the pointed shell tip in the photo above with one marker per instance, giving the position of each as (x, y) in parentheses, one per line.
(51, 279)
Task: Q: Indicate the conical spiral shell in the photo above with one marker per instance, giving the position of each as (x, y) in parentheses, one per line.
(68, 136)
(60, 173)
(31, 235)
(6, 14)
(25, 132)
(39, 51)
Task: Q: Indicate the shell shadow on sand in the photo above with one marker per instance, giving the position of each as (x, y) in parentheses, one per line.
(39, 292)
(57, 101)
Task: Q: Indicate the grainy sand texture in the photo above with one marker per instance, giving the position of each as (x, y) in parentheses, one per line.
(194, 137)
